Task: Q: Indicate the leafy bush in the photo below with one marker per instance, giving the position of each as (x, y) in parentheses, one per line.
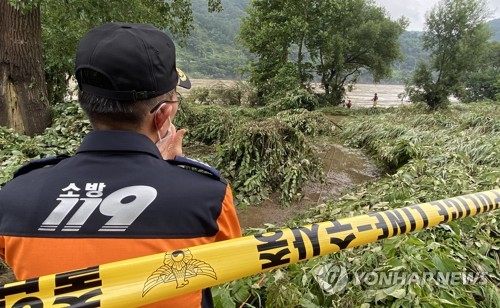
(212, 125)
(295, 99)
(63, 137)
(200, 95)
(308, 123)
(239, 93)
(258, 157)
(266, 156)
(422, 88)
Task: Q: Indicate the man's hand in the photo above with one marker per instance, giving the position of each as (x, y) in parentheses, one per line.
(173, 146)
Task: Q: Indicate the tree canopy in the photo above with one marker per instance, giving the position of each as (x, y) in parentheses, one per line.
(484, 82)
(456, 37)
(65, 22)
(335, 41)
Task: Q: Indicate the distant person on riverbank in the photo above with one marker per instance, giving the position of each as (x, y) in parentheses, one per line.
(127, 192)
(349, 104)
(375, 100)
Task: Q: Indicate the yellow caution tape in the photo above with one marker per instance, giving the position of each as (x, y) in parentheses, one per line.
(149, 279)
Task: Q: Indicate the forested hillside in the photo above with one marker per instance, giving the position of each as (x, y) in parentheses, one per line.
(212, 51)
(413, 53)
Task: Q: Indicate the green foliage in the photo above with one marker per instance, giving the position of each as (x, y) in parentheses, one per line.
(24, 5)
(413, 53)
(11, 152)
(396, 145)
(286, 79)
(63, 137)
(222, 94)
(268, 31)
(295, 99)
(336, 110)
(422, 88)
(211, 50)
(484, 83)
(359, 36)
(309, 123)
(200, 95)
(239, 291)
(212, 125)
(456, 36)
(65, 22)
(341, 39)
(452, 153)
(265, 156)
(283, 292)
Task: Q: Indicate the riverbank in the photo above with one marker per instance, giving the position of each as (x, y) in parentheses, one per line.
(344, 169)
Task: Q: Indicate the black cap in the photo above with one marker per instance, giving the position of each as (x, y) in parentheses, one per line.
(136, 60)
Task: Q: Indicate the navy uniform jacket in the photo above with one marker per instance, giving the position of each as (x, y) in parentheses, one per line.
(115, 199)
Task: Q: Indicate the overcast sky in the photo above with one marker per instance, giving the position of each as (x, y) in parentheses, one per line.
(415, 10)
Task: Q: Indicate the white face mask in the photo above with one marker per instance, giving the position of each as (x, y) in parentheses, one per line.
(163, 140)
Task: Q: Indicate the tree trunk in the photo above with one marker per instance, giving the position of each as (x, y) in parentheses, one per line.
(302, 71)
(23, 92)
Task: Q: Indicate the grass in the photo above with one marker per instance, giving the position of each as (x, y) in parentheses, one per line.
(428, 156)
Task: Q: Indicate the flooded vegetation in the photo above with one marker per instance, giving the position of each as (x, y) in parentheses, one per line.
(431, 155)
(344, 169)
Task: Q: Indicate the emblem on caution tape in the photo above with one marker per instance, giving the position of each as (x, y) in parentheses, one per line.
(178, 266)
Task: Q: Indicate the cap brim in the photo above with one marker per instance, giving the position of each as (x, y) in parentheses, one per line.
(183, 80)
